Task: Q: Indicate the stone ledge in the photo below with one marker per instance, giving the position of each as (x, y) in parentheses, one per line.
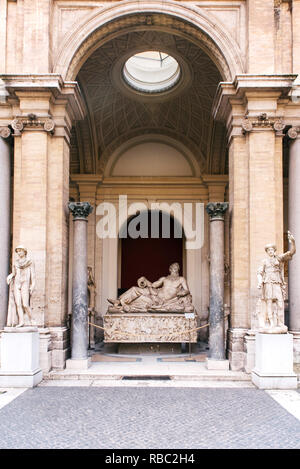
(212, 364)
(274, 381)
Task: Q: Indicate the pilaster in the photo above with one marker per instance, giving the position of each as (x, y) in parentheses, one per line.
(43, 109)
(253, 109)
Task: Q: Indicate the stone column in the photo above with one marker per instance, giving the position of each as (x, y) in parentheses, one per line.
(216, 212)
(5, 193)
(294, 227)
(79, 356)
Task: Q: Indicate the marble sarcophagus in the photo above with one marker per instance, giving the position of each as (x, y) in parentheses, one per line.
(149, 327)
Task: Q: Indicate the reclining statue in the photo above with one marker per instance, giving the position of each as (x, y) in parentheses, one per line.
(168, 294)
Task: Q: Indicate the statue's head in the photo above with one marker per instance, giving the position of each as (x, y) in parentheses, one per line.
(270, 249)
(21, 251)
(142, 282)
(174, 268)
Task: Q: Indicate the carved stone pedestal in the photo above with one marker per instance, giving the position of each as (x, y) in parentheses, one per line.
(274, 362)
(149, 327)
(20, 366)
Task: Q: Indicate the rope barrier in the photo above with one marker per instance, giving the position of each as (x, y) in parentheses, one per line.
(149, 335)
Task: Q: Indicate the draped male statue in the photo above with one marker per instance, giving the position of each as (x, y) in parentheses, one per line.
(168, 294)
(272, 286)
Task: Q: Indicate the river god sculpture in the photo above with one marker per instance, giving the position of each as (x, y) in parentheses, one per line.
(21, 285)
(272, 286)
(168, 294)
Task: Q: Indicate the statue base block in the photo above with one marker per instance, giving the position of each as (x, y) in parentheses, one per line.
(20, 358)
(274, 362)
(78, 364)
(212, 364)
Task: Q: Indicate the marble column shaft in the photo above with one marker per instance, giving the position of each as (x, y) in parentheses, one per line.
(216, 213)
(294, 227)
(80, 211)
(5, 197)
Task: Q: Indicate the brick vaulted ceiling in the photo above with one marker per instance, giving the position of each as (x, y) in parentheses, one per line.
(115, 116)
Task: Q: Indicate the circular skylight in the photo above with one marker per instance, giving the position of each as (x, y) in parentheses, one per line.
(151, 71)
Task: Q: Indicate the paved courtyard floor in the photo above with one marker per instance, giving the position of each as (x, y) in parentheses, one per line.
(150, 416)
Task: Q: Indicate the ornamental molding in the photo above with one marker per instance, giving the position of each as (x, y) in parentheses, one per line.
(293, 133)
(262, 121)
(32, 122)
(5, 132)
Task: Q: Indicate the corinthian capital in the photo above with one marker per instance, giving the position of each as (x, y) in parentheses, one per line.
(80, 210)
(216, 210)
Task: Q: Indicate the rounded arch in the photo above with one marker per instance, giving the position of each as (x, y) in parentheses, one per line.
(184, 20)
(178, 146)
(157, 252)
(184, 145)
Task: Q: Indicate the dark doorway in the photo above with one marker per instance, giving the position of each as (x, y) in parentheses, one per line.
(150, 257)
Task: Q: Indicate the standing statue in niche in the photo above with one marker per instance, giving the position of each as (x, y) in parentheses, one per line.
(91, 306)
(168, 294)
(21, 285)
(271, 283)
(91, 290)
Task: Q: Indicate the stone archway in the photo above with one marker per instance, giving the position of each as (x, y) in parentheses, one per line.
(150, 256)
(191, 22)
(187, 119)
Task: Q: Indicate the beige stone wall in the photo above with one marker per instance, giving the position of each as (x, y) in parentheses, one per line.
(239, 234)
(33, 31)
(41, 175)
(40, 37)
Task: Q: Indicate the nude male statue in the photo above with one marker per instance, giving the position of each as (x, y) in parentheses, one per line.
(22, 284)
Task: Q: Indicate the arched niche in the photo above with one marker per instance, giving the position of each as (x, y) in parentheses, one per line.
(152, 156)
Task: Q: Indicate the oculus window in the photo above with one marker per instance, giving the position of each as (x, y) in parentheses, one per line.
(151, 72)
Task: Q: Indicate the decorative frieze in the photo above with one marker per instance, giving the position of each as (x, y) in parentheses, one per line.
(262, 121)
(147, 327)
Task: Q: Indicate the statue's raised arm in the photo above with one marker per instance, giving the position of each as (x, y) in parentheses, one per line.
(292, 242)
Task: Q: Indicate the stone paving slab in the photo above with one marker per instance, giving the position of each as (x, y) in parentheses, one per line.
(153, 418)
